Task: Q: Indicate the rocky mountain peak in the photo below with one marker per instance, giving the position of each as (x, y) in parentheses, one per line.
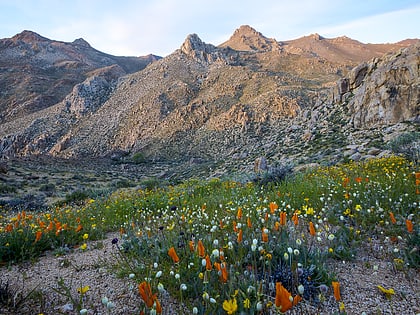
(195, 48)
(192, 43)
(29, 37)
(246, 38)
(81, 42)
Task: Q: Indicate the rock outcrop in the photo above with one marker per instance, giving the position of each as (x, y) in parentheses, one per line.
(384, 91)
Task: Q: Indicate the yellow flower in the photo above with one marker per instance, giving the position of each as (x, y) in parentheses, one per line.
(341, 306)
(85, 236)
(387, 292)
(83, 246)
(83, 290)
(230, 306)
(247, 303)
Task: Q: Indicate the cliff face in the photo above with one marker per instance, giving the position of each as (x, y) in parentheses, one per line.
(251, 96)
(384, 91)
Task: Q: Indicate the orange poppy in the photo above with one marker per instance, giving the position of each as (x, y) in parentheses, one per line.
(158, 306)
(283, 217)
(264, 236)
(9, 228)
(346, 181)
(200, 248)
(409, 225)
(391, 216)
(239, 213)
(224, 274)
(191, 245)
(235, 229)
(173, 255)
(283, 300)
(145, 291)
(312, 229)
(208, 263)
(248, 222)
(273, 207)
(240, 236)
(295, 219)
(336, 289)
(38, 236)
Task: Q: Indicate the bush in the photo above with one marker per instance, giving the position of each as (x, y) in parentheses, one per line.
(138, 158)
(407, 144)
(274, 175)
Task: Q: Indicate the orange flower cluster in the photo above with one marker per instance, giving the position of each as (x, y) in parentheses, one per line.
(284, 299)
(150, 299)
(40, 227)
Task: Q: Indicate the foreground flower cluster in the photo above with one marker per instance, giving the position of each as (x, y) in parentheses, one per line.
(223, 247)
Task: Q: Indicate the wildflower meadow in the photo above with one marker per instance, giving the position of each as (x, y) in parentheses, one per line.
(226, 247)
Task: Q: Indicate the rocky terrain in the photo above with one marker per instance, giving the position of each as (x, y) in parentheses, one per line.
(205, 110)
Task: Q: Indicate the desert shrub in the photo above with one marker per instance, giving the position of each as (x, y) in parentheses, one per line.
(138, 158)
(4, 189)
(407, 144)
(77, 196)
(274, 175)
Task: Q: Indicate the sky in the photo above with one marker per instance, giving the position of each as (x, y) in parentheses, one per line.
(159, 27)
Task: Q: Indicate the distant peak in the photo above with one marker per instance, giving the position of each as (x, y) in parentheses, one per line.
(248, 39)
(81, 42)
(29, 36)
(246, 30)
(316, 36)
(192, 43)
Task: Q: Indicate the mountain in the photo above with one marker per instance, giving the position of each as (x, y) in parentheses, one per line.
(36, 72)
(224, 106)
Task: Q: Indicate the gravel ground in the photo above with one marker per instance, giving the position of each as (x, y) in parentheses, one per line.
(358, 281)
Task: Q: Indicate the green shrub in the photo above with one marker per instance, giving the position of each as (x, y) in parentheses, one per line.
(407, 144)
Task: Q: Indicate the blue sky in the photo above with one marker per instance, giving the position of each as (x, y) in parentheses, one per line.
(140, 27)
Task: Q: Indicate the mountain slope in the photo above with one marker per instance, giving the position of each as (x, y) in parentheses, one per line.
(39, 72)
(230, 104)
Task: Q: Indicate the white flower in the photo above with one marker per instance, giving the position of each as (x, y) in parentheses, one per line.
(215, 253)
(177, 276)
(286, 256)
(110, 305)
(83, 311)
(259, 306)
(203, 262)
(215, 243)
(158, 274)
(255, 242)
(250, 289)
(195, 310)
(160, 287)
(212, 301)
(104, 300)
(290, 250)
(183, 287)
(253, 247)
(155, 265)
(296, 252)
(298, 242)
(131, 276)
(301, 289)
(206, 296)
(331, 237)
